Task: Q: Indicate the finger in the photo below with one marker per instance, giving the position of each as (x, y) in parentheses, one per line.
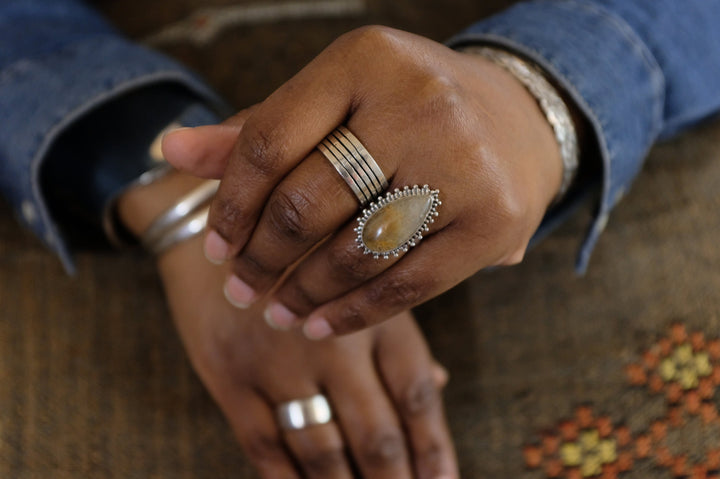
(254, 425)
(425, 272)
(311, 203)
(203, 151)
(318, 450)
(369, 423)
(306, 207)
(280, 134)
(332, 271)
(409, 374)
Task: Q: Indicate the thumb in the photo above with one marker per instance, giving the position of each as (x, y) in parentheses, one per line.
(204, 150)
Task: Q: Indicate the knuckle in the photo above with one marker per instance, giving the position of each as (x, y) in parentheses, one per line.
(443, 98)
(262, 152)
(227, 215)
(369, 37)
(348, 262)
(262, 447)
(321, 462)
(300, 299)
(511, 207)
(403, 290)
(218, 354)
(383, 450)
(289, 215)
(432, 457)
(513, 213)
(350, 319)
(249, 266)
(419, 397)
(515, 257)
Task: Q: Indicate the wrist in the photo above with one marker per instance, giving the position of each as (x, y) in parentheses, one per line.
(552, 105)
(526, 136)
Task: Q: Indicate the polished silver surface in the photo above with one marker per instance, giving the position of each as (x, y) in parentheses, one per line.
(330, 152)
(302, 413)
(187, 205)
(381, 181)
(354, 164)
(190, 227)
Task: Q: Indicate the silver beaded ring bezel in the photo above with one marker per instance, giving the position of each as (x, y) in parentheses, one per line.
(383, 201)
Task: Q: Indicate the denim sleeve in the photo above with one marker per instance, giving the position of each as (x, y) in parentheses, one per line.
(640, 70)
(59, 61)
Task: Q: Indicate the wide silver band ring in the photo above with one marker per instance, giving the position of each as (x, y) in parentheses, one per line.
(354, 164)
(303, 413)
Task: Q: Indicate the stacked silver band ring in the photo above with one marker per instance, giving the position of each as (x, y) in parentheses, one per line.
(354, 164)
(302, 413)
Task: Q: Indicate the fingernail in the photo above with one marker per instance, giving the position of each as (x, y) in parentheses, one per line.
(238, 293)
(317, 328)
(216, 248)
(280, 317)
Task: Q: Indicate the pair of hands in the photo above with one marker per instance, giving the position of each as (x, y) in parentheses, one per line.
(383, 384)
(428, 115)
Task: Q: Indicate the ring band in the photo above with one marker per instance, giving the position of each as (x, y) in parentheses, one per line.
(354, 164)
(302, 413)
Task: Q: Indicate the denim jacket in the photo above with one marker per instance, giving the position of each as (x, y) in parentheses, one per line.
(640, 71)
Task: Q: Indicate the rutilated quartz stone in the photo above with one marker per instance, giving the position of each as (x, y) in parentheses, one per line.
(396, 223)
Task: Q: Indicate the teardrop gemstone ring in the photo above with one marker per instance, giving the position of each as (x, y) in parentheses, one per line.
(396, 222)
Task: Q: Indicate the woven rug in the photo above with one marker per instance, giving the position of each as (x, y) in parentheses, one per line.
(613, 375)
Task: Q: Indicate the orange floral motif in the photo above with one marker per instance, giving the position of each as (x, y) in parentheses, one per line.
(685, 368)
(583, 447)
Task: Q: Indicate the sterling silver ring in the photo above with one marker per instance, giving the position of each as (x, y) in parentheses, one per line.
(354, 164)
(397, 221)
(302, 413)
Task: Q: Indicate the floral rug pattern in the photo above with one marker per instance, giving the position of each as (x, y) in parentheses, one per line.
(682, 366)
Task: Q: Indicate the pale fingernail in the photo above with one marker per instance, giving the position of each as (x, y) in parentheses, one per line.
(238, 293)
(317, 328)
(216, 248)
(279, 317)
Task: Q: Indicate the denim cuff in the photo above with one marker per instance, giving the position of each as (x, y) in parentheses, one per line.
(607, 70)
(42, 97)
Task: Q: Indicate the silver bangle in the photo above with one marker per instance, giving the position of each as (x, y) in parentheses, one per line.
(187, 204)
(551, 104)
(190, 227)
(114, 231)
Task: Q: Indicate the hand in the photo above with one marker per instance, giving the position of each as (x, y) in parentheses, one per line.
(428, 115)
(382, 383)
